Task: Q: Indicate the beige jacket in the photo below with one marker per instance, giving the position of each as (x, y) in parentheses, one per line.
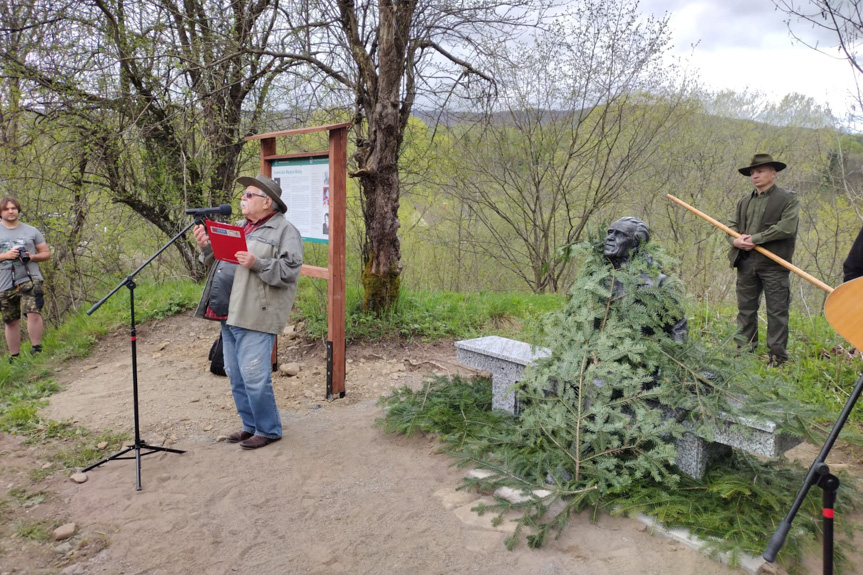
(262, 297)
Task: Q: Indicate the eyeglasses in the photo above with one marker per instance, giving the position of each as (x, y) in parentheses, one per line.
(248, 195)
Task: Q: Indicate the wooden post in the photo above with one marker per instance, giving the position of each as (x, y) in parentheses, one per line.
(268, 149)
(337, 264)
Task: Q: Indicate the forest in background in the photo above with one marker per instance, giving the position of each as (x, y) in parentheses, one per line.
(457, 239)
(114, 118)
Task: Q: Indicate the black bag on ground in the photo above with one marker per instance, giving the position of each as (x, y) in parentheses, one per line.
(217, 359)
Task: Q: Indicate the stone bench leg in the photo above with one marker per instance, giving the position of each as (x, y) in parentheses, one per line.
(694, 453)
(505, 359)
(504, 375)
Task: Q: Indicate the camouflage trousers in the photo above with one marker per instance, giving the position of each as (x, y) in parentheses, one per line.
(25, 298)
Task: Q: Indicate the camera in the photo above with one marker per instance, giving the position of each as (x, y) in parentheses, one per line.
(23, 254)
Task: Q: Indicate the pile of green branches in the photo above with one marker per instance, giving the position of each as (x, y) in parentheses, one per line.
(601, 413)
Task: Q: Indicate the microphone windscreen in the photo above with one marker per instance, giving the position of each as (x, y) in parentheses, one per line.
(225, 209)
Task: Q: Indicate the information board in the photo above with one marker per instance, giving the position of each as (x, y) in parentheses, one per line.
(305, 186)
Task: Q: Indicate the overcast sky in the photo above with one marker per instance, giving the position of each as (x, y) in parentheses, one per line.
(745, 44)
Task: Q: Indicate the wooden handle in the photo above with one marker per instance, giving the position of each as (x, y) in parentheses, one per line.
(759, 249)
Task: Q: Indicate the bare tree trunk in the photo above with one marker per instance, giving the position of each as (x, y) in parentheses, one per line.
(378, 156)
(382, 271)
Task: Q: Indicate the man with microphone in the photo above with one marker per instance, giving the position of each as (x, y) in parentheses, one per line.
(253, 300)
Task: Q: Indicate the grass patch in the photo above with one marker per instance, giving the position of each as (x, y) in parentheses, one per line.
(39, 474)
(26, 384)
(79, 332)
(39, 531)
(427, 315)
(85, 451)
(821, 371)
(26, 498)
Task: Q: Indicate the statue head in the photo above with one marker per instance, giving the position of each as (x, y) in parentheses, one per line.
(624, 237)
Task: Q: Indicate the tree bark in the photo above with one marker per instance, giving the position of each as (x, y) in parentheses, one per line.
(378, 154)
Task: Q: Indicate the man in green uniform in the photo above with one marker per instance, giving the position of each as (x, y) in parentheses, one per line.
(766, 217)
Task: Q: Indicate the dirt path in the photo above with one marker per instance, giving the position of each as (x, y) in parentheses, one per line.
(336, 495)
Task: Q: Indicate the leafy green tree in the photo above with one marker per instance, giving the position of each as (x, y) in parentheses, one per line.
(580, 115)
(159, 95)
(388, 57)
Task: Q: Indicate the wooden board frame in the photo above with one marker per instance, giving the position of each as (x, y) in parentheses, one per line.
(334, 273)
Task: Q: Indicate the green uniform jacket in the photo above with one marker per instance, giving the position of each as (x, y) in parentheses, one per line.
(777, 231)
(262, 297)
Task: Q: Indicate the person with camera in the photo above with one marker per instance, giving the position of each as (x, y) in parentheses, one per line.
(21, 248)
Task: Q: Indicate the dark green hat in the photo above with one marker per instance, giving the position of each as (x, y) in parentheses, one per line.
(762, 160)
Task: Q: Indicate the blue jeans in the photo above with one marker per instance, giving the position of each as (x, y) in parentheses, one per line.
(247, 363)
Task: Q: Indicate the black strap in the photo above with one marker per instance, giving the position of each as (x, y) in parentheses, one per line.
(26, 270)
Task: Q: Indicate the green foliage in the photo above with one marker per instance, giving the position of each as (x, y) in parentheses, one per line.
(735, 507)
(822, 371)
(456, 409)
(84, 450)
(738, 504)
(40, 530)
(425, 315)
(608, 397)
(599, 413)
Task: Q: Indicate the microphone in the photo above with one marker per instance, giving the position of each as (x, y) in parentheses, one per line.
(223, 209)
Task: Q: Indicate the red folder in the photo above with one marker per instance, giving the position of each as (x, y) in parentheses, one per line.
(226, 240)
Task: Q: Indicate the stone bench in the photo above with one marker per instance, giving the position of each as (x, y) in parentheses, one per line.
(755, 436)
(506, 360)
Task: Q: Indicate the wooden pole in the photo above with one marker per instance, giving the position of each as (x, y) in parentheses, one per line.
(336, 281)
(759, 249)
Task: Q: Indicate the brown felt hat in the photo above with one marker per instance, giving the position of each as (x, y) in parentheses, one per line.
(268, 186)
(762, 160)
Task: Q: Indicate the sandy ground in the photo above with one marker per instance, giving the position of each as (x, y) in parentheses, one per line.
(336, 495)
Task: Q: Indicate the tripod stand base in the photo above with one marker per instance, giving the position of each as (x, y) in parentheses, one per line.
(137, 447)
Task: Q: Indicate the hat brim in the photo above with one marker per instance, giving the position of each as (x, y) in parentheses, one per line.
(249, 181)
(747, 171)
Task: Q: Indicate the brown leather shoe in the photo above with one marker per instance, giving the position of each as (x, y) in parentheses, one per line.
(257, 441)
(239, 436)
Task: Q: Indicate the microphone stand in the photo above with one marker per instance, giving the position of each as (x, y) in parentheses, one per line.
(139, 444)
(819, 474)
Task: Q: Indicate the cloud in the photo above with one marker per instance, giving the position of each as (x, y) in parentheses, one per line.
(745, 45)
(715, 25)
